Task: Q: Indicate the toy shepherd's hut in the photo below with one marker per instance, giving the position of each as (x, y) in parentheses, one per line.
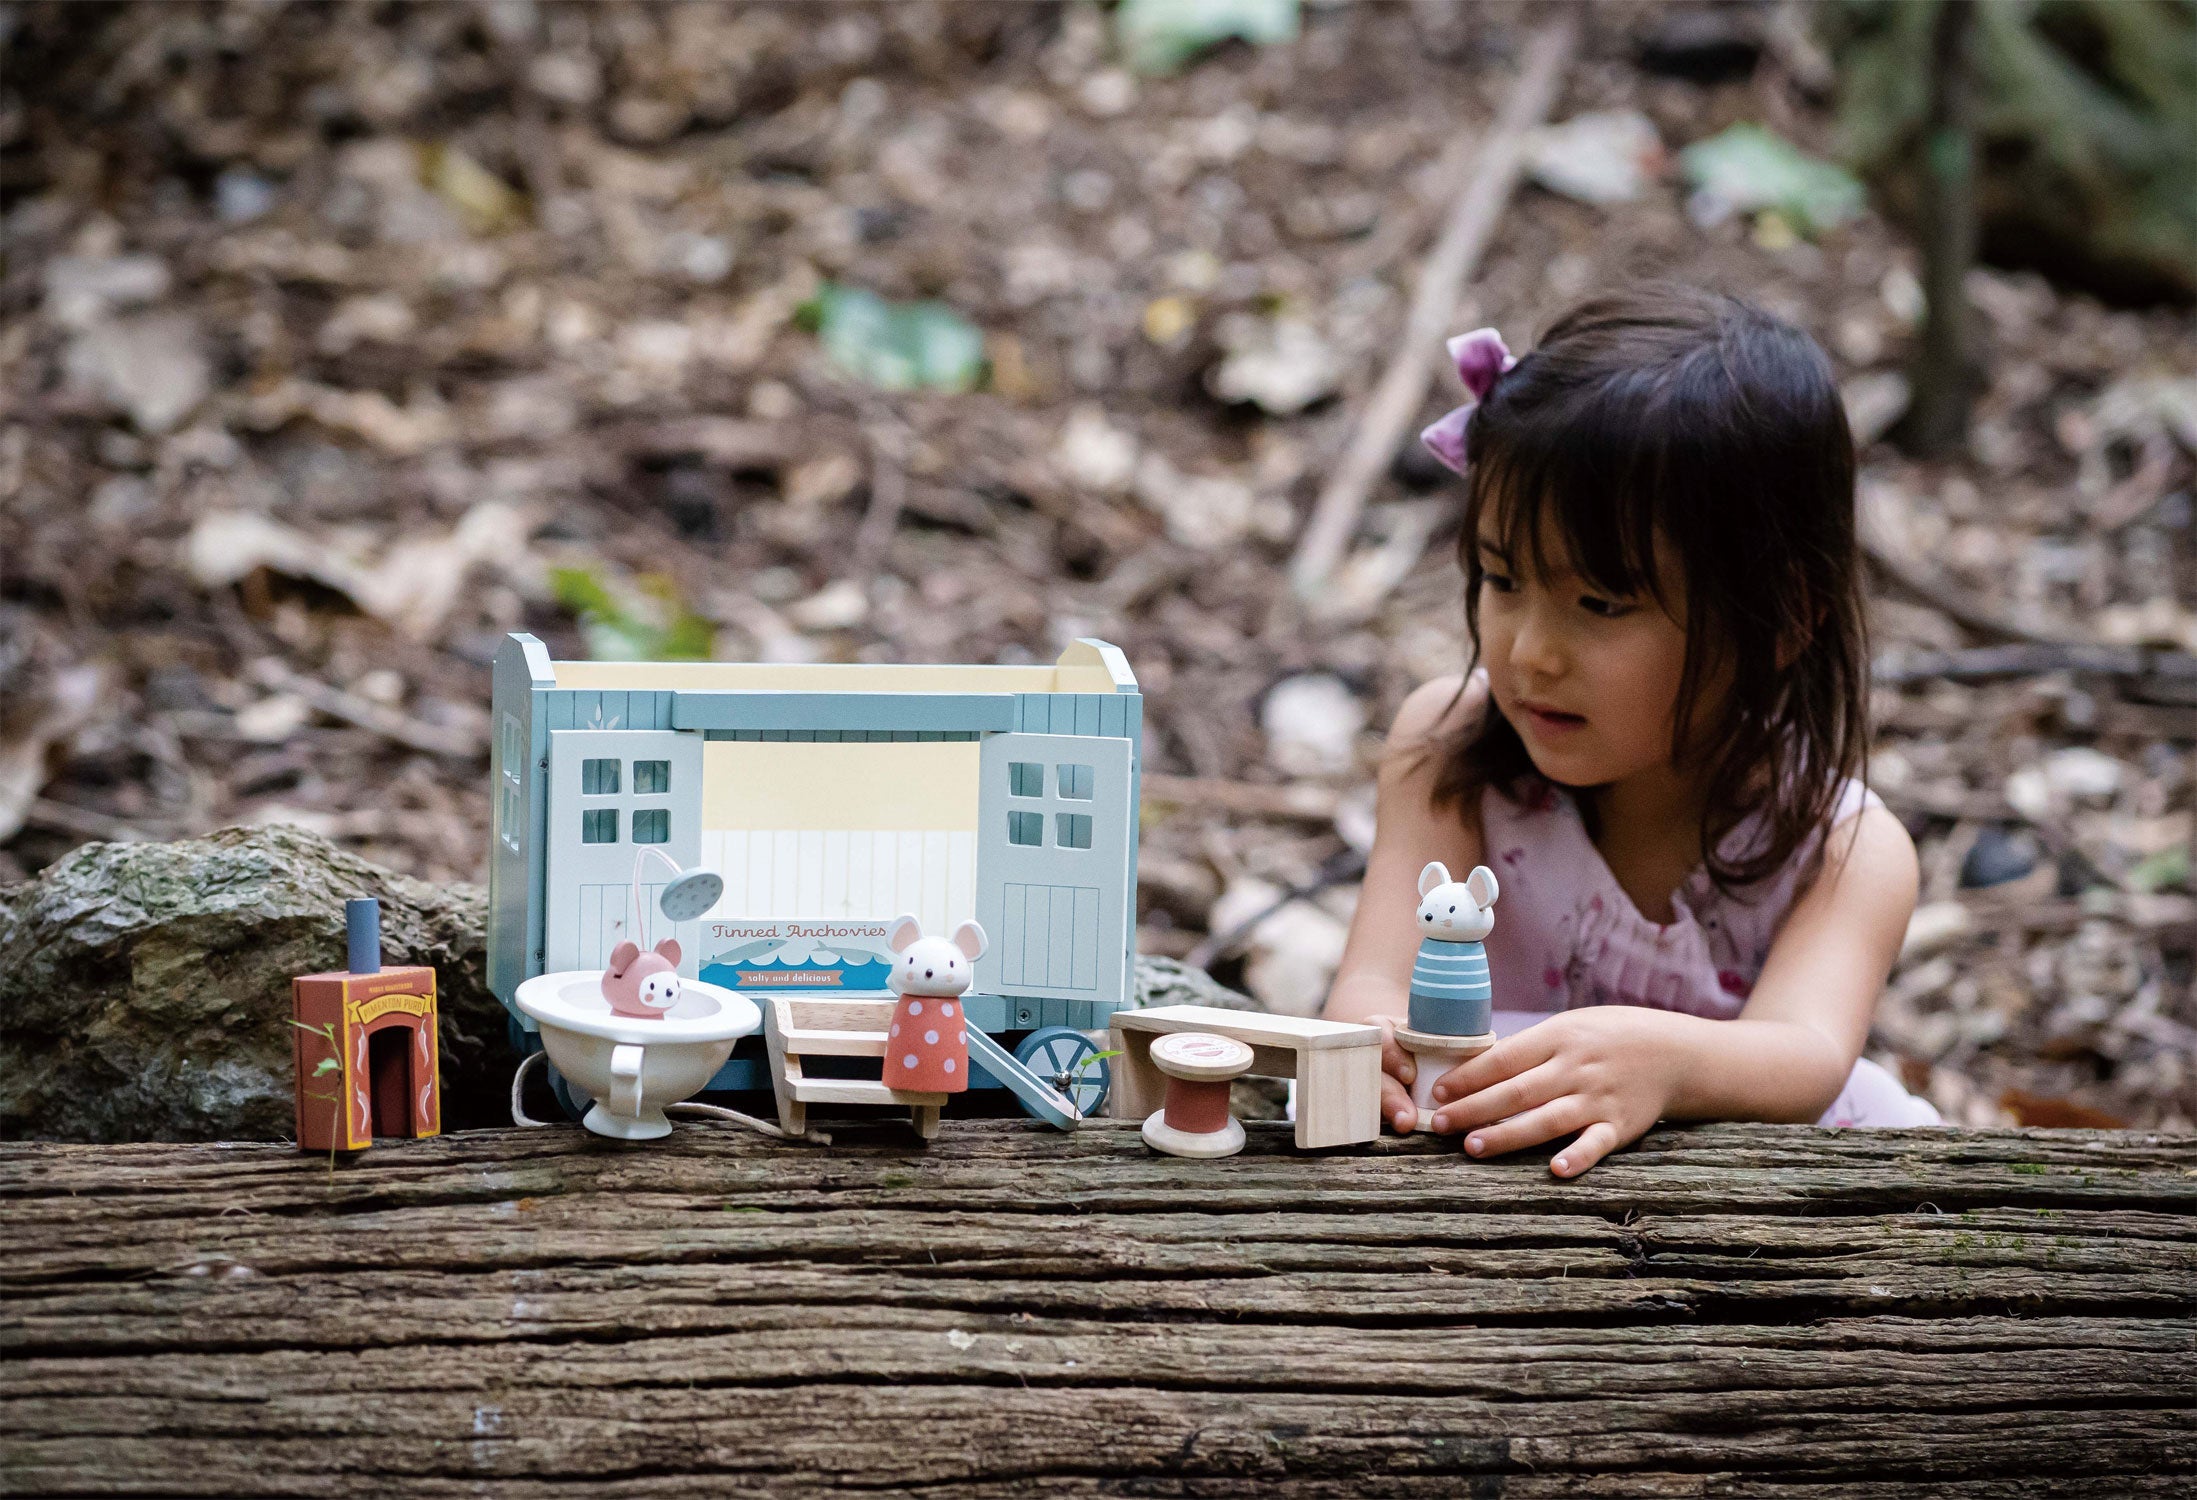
(831, 798)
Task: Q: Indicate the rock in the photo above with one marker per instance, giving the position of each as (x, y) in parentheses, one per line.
(1093, 453)
(1874, 400)
(2068, 777)
(1291, 956)
(1998, 856)
(2083, 774)
(1704, 46)
(1312, 724)
(1936, 925)
(151, 367)
(1608, 156)
(82, 289)
(1204, 511)
(241, 196)
(146, 992)
(1169, 981)
(1280, 365)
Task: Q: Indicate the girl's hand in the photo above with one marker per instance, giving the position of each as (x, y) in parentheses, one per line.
(1606, 1072)
(1398, 1069)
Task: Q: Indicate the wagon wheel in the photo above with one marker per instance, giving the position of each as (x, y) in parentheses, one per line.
(1063, 1057)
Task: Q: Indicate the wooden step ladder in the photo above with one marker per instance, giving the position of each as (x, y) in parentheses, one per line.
(798, 1026)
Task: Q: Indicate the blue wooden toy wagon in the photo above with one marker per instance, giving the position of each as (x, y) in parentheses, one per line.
(830, 799)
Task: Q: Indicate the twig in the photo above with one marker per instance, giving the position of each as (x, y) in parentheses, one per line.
(888, 497)
(2172, 919)
(88, 823)
(2165, 672)
(1943, 597)
(1297, 801)
(1496, 168)
(375, 718)
(1348, 864)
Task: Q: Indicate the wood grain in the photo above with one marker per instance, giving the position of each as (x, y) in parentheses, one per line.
(1721, 1309)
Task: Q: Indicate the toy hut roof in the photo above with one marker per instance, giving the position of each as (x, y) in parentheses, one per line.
(1086, 666)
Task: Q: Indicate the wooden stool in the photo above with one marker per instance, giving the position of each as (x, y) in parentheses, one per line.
(1195, 1120)
(1433, 1055)
(1337, 1065)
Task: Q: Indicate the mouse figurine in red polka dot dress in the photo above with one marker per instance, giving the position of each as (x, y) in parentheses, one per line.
(928, 1047)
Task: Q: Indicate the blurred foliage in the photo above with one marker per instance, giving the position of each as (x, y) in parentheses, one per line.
(905, 346)
(2086, 113)
(2166, 869)
(1159, 36)
(488, 204)
(1748, 169)
(657, 626)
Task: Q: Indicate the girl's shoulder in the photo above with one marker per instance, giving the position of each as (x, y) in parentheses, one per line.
(1433, 719)
(1440, 709)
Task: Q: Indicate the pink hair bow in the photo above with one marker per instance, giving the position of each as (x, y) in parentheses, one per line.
(1481, 356)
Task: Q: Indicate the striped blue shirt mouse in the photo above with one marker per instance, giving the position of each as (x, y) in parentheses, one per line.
(1450, 993)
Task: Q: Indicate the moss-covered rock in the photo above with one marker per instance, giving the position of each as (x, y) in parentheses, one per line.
(145, 988)
(1169, 981)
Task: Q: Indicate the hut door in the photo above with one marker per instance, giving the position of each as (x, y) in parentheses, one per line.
(389, 1062)
(1052, 866)
(613, 792)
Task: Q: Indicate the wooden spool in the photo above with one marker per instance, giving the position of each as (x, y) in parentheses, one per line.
(1195, 1120)
(1432, 1056)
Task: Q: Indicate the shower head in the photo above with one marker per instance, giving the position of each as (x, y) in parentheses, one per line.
(691, 894)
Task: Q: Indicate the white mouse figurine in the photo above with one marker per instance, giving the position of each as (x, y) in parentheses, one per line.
(928, 1046)
(1452, 1002)
(1450, 994)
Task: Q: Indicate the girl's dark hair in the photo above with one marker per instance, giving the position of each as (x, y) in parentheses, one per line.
(1664, 409)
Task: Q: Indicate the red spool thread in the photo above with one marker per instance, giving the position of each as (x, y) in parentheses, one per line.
(1196, 1106)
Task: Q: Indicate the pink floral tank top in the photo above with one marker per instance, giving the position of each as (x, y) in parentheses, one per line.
(1566, 934)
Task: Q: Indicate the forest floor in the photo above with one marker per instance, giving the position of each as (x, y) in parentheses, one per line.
(334, 338)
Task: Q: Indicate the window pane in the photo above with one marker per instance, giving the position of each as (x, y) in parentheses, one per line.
(651, 776)
(1075, 782)
(1025, 778)
(598, 778)
(652, 825)
(513, 749)
(508, 816)
(1075, 830)
(1026, 828)
(599, 825)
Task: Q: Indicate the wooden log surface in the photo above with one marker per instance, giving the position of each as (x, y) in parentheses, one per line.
(1719, 1310)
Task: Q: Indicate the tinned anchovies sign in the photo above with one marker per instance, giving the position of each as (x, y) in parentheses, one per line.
(797, 955)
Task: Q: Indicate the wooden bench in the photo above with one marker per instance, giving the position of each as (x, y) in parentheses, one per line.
(798, 1026)
(1337, 1065)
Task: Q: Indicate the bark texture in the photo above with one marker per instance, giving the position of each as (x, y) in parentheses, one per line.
(1719, 1310)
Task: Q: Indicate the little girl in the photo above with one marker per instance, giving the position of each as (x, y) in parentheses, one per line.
(1656, 747)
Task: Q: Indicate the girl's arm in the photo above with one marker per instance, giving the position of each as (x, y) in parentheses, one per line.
(1808, 1016)
(1374, 977)
(1611, 1071)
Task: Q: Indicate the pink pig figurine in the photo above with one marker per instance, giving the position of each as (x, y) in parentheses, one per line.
(644, 985)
